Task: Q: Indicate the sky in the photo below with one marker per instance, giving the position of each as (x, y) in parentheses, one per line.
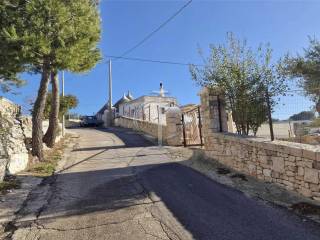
(286, 25)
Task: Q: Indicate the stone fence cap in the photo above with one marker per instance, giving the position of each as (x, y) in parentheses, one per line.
(173, 110)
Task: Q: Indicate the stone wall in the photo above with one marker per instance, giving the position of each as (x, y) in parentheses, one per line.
(15, 138)
(294, 166)
(140, 125)
(171, 132)
(13, 152)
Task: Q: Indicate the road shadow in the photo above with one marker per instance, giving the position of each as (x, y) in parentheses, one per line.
(205, 208)
(130, 137)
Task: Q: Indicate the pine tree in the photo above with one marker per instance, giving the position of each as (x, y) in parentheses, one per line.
(81, 55)
(55, 35)
(10, 58)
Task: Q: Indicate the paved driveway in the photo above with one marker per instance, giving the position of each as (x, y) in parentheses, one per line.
(118, 186)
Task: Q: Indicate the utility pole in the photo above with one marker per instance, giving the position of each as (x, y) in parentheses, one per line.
(63, 117)
(110, 115)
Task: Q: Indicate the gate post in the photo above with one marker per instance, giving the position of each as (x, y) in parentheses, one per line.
(173, 129)
(213, 112)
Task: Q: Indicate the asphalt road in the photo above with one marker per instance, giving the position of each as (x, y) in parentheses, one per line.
(118, 186)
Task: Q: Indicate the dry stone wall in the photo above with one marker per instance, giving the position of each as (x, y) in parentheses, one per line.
(294, 166)
(171, 132)
(15, 138)
(13, 152)
(140, 125)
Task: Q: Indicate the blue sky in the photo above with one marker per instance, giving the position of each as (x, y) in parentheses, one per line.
(285, 24)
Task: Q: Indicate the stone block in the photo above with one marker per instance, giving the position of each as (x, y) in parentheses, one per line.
(305, 191)
(311, 175)
(267, 172)
(252, 169)
(290, 173)
(300, 171)
(307, 163)
(291, 158)
(316, 198)
(314, 187)
(316, 165)
(288, 163)
(275, 174)
(310, 154)
(278, 164)
(292, 168)
(297, 152)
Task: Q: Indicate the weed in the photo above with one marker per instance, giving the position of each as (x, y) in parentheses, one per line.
(9, 183)
(52, 157)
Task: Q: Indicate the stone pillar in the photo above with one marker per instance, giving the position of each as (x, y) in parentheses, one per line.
(174, 128)
(211, 100)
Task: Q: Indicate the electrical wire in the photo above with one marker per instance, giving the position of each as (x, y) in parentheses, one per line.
(156, 30)
(154, 61)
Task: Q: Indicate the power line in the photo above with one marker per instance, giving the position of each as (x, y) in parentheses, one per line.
(156, 30)
(154, 61)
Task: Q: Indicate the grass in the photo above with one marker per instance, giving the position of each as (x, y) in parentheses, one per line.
(52, 157)
(8, 184)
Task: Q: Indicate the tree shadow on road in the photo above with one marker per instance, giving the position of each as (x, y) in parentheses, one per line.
(206, 209)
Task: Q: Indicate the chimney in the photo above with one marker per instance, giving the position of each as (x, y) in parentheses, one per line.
(161, 92)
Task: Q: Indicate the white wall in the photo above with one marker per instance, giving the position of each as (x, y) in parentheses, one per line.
(146, 108)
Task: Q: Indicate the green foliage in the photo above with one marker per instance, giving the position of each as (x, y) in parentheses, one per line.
(9, 184)
(43, 169)
(10, 48)
(244, 76)
(65, 33)
(45, 36)
(304, 115)
(307, 69)
(66, 103)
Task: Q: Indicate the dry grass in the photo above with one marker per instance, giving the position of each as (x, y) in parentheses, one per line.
(307, 139)
(315, 123)
(52, 157)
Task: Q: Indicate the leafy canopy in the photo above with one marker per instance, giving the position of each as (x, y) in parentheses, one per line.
(61, 33)
(244, 76)
(307, 69)
(304, 115)
(67, 103)
(10, 47)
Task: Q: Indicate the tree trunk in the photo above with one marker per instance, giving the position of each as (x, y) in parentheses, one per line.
(318, 107)
(37, 113)
(51, 134)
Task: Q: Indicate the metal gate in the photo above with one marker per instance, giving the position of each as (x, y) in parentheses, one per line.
(191, 125)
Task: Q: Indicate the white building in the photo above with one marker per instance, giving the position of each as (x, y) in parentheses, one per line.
(147, 108)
